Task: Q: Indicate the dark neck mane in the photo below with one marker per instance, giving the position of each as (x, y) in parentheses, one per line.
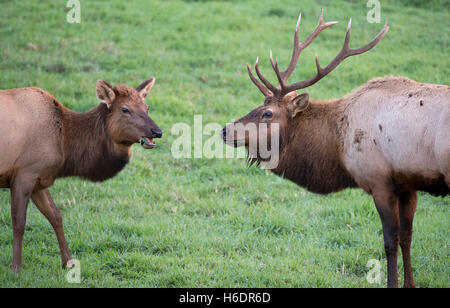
(89, 151)
(312, 149)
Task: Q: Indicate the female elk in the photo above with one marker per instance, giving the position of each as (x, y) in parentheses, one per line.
(389, 137)
(41, 140)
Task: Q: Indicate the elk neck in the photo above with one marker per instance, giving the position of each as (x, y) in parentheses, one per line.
(312, 147)
(88, 150)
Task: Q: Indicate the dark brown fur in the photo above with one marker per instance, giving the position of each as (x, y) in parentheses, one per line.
(311, 152)
(89, 152)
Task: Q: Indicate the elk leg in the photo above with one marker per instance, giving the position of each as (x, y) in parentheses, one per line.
(21, 190)
(44, 202)
(387, 206)
(407, 208)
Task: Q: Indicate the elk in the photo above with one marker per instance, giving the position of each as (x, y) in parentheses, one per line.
(42, 140)
(389, 137)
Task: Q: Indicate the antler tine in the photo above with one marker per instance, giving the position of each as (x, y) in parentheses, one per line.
(270, 86)
(347, 35)
(298, 47)
(277, 71)
(369, 46)
(345, 52)
(261, 88)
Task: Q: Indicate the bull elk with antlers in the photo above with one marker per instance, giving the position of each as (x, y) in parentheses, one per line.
(389, 137)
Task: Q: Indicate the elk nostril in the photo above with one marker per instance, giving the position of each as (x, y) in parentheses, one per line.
(156, 132)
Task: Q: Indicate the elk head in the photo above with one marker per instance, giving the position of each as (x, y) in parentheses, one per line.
(128, 121)
(282, 103)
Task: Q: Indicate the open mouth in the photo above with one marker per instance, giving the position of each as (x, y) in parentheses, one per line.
(147, 143)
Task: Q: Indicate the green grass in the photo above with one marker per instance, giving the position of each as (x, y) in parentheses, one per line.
(164, 222)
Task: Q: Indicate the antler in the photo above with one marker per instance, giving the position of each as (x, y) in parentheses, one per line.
(283, 89)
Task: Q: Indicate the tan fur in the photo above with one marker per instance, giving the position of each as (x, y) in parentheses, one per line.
(30, 134)
(403, 127)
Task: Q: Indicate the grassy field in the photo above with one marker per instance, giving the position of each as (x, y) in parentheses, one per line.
(166, 222)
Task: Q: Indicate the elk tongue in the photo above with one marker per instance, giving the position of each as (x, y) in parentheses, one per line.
(147, 143)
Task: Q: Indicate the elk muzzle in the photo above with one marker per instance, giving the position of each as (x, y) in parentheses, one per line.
(235, 135)
(147, 142)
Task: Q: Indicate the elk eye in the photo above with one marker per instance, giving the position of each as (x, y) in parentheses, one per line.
(125, 110)
(267, 114)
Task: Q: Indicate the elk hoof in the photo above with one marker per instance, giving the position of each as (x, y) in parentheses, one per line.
(16, 268)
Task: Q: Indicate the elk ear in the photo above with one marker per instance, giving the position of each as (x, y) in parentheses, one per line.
(298, 104)
(145, 87)
(105, 93)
